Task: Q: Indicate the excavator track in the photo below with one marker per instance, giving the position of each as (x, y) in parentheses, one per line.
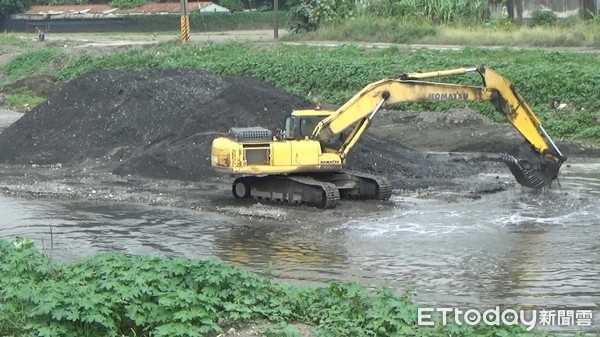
(330, 194)
(382, 186)
(290, 189)
(322, 190)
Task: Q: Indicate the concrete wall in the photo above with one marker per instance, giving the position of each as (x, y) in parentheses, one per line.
(214, 8)
(521, 9)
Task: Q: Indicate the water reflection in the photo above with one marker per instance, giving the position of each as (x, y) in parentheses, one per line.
(296, 251)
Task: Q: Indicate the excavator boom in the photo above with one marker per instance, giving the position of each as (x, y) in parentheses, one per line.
(534, 168)
(305, 163)
(410, 88)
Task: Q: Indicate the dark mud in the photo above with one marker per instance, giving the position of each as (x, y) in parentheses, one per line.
(460, 130)
(42, 85)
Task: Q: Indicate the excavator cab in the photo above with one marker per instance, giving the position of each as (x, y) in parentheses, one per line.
(301, 123)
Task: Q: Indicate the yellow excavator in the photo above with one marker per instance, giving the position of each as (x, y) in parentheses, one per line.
(304, 162)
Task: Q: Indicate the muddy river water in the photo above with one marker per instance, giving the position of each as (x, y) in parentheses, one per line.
(509, 248)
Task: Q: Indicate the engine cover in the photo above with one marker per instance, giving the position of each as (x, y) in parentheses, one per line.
(250, 134)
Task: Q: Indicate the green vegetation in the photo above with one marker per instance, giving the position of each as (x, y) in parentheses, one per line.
(127, 3)
(368, 30)
(543, 18)
(9, 43)
(435, 11)
(24, 97)
(113, 294)
(8, 7)
(232, 5)
(309, 15)
(203, 22)
(572, 33)
(30, 62)
(314, 14)
(436, 22)
(333, 75)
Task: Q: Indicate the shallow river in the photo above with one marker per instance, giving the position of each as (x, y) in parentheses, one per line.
(513, 247)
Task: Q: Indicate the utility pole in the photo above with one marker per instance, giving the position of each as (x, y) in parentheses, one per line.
(276, 19)
(184, 22)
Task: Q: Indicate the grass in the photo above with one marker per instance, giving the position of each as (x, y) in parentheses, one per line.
(24, 97)
(36, 60)
(577, 36)
(11, 43)
(392, 30)
(367, 30)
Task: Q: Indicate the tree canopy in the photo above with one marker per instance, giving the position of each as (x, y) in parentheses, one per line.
(8, 7)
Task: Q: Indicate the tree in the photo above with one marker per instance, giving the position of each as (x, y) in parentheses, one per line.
(232, 5)
(9, 7)
(308, 15)
(268, 4)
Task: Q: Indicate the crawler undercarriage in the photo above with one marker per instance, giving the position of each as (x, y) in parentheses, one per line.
(322, 190)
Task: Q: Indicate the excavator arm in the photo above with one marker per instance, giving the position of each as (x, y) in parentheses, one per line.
(533, 167)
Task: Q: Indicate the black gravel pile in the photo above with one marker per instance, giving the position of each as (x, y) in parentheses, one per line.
(160, 123)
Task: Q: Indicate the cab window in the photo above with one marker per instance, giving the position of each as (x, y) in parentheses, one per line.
(289, 128)
(308, 125)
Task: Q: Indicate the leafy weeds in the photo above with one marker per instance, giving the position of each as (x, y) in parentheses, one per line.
(118, 295)
(29, 62)
(24, 97)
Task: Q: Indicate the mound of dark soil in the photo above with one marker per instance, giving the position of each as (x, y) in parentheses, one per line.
(128, 114)
(160, 123)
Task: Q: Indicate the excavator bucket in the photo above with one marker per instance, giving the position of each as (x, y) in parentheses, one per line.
(530, 168)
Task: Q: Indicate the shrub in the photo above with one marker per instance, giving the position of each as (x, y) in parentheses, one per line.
(127, 3)
(232, 5)
(543, 18)
(384, 8)
(29, 62)
(302, 19)
(309, 15)
(437, 11)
